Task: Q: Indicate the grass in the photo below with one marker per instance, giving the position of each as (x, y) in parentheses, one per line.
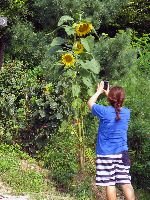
(22, 174)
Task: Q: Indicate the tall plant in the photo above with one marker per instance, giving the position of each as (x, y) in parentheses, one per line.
(74, 73)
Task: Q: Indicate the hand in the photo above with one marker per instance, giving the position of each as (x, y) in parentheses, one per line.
(100, 87)
(106, 91)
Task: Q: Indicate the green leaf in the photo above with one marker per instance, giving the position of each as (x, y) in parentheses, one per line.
(88, 43)
(42, 113)
(54, 49)
(63, 19)
(59, 116)
(69, 30)
(77, 103)
(91, 65)
(75, 90)
(91, 91)
(63, 126)
(87, 82)
(57, 41)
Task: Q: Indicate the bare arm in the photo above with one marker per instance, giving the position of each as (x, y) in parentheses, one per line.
(99, 91)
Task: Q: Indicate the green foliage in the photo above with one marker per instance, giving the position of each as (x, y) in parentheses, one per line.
(60, 156)
(116, 55)
(26, 97)
(64, 19)
(9, 7)
(19, 179)
(88, 43)
(27, 45)
(14, 11)
(83, 190)
(100, 11)
(134, 14)
(143, 46)
(22, 175)
(57, 41)
(142, 194)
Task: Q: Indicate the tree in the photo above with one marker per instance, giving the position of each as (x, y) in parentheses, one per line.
(14, 11)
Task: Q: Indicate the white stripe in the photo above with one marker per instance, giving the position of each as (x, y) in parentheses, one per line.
(104, 167)
(105, 173)
(123, 181)
(112, 167)
(127, 167)
(98, 161)
(112, 176)
(99, 166)
(103, 161)
(122, 166)
(124, 170)
(104, 178)
(110, 156)
(122, 176)
(106, 184)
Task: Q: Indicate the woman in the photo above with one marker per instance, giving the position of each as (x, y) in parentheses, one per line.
(112, 163)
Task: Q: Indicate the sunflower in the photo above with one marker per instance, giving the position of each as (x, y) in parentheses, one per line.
(68, 59)
(78, 48)
(83, 28)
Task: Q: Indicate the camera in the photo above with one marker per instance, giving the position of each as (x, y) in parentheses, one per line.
(105, 85)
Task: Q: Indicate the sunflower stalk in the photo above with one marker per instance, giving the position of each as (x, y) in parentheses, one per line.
(81, 143)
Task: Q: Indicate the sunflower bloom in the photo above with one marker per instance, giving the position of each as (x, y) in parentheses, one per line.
(78, 48)
(83, 28)
(68, 59)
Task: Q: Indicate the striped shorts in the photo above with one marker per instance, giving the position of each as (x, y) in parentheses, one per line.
(113, 169)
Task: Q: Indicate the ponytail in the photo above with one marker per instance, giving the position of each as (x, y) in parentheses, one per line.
(116, 98)
(117, 109)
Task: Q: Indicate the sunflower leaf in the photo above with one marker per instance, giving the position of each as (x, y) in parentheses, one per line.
(91, 91)
(87, 81)
(88, 43)
(57, 41)
(69, 30)
(53, 49)
(75, 90)
(95, 66)
(91, 65)
(64, 18)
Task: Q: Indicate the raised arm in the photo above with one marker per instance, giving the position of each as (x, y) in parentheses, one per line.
(94, 98)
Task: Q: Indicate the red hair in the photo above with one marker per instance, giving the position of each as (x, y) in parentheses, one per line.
(116, 98)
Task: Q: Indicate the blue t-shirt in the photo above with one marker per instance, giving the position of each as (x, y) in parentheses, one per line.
(112, 134)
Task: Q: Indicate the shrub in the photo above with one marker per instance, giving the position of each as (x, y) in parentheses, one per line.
(28, 106)
(26, 44)
(60, 155)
